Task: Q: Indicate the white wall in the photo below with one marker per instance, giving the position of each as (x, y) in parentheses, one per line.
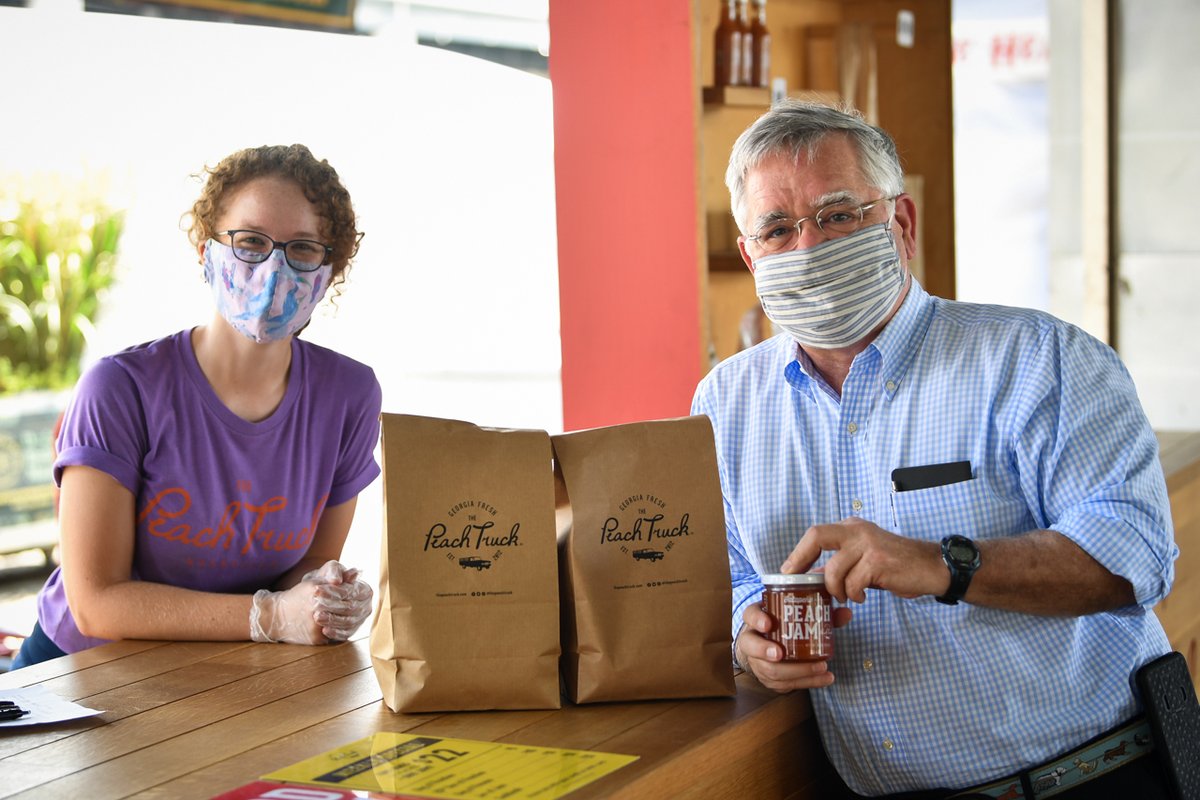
(1018, 179)
(1001, 152)
(1158, 171)
(454, 297)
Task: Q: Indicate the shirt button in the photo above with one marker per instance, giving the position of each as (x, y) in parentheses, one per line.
(852, 427)
(887, 745)
(891, 386)
(856, 505)
(868, 664)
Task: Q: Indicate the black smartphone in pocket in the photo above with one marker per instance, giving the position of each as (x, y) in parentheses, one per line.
(907, 479)
(1174, 715)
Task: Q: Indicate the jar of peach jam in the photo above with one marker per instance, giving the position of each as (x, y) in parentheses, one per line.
(801, 609)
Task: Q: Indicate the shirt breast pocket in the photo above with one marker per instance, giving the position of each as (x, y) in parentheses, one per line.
(967, 508)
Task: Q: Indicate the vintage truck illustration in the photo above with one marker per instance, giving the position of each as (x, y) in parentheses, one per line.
(478, 563)
(648, 554)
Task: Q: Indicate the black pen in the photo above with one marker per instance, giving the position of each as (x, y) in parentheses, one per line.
(11, 711)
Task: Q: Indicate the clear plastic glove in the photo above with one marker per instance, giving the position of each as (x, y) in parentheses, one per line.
(286, 616)
(327, 604)
(343, 601)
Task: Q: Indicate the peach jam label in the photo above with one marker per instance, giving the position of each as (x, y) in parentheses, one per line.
(803, 621)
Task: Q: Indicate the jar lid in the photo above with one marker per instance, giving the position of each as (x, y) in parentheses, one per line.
(800, 579)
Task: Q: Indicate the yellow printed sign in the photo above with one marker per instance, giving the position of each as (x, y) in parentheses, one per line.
(454, 769)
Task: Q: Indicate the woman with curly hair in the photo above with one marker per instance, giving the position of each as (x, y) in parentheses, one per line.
(208, 479)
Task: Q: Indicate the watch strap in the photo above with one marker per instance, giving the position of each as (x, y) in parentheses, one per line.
(959, 581)
(960, 574)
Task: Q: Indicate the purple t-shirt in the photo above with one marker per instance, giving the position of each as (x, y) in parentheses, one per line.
(222, 504)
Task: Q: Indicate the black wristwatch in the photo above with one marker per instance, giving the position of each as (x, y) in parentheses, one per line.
(962, 558)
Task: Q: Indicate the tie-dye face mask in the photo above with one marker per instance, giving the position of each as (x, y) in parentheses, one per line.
(265, 302)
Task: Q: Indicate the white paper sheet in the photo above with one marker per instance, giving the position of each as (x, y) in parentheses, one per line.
(44, 707)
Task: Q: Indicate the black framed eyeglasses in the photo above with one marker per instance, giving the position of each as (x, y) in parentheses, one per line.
(835, 219)
(302, 255)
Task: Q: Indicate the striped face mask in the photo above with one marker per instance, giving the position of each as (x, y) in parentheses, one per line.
(833, 294)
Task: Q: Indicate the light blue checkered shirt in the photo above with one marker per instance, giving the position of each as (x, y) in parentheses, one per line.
(930, 695)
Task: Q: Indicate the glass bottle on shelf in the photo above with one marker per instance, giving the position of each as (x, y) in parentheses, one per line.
(747, 65)
(727, 50)
(760, 46)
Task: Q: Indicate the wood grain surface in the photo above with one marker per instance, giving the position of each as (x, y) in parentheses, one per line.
(195, 719)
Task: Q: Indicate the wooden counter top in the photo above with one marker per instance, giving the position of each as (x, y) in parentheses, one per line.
(195, 719)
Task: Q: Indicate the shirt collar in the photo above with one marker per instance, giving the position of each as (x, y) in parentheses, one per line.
(899, 342)
(800, 373)
(897, 345)
(797, 369)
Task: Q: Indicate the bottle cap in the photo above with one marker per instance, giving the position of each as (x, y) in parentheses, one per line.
(800, 579)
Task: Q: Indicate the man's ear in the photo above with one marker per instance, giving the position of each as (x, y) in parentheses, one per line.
(906, 216)
(741, 240)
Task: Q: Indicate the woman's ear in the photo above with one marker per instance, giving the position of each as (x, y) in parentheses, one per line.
(201, 249)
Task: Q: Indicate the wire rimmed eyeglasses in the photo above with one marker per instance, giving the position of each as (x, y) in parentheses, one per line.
(253, 247)
(835, 219)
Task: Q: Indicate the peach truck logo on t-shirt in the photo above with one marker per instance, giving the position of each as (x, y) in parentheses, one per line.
(248, 523)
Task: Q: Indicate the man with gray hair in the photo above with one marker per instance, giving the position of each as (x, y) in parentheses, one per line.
(979, 485)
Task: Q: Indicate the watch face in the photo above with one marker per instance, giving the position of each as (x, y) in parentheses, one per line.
(962, 551)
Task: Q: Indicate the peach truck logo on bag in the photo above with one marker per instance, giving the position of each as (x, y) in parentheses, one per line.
(471, 538)
(644, 531)
(477, 533)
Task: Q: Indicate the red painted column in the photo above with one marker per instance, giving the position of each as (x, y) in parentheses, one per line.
(625, 110)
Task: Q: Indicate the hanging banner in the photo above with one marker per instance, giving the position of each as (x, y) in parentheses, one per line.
(337, 14)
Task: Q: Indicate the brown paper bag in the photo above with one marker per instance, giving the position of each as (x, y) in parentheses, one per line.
(468, 615)
(643, 564)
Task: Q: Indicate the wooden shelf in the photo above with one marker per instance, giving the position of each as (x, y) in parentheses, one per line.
(737, 96)
(756, 97)
(815, 96)
(726, 261)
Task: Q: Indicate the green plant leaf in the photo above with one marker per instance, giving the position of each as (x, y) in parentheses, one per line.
(57, 260)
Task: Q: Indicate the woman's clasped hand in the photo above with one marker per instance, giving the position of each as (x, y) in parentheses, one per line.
(327, 605)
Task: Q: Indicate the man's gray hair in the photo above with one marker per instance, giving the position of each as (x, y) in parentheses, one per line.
(796, 127)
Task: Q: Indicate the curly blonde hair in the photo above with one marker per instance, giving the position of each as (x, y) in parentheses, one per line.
(318, 180)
